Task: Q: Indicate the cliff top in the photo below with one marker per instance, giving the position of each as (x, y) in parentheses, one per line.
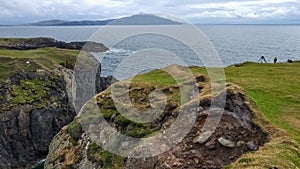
(269, 90)
(31, 54)
(12, 61)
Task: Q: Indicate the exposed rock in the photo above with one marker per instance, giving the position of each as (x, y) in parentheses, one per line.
(105, 82)
(210, 145)
(236, 125)
(203, 137)
(33, 109)
(226, 143)
(240, 143)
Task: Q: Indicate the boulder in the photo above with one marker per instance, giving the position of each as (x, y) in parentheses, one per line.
(226, 143)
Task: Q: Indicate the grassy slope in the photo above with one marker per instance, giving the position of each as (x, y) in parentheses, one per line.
(275, 89)
(43, 58)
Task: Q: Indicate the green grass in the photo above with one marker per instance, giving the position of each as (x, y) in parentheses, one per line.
(74, 130)
(29, 91)
(56, 54)
(7, 41)
(104, 158)
(157, 77)
(42, 58)
(276, 90)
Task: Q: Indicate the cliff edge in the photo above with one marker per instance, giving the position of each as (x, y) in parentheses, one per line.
(235, 134)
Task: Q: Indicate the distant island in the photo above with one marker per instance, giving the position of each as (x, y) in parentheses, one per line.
(140, 19)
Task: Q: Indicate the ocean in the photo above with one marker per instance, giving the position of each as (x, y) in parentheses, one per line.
(233, 43)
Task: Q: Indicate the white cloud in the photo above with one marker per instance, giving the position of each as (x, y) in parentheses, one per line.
(193, 10)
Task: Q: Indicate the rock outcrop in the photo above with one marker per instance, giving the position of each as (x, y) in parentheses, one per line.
(34, 107)
(74, 147)
(35, 43)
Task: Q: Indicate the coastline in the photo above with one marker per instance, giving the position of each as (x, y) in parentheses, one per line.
(270, 87)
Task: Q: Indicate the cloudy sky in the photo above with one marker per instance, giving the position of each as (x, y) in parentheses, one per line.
(195, 11)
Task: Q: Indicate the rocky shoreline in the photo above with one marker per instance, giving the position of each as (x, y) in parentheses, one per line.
(41, 42)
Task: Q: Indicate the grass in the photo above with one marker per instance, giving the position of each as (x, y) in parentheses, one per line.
(104, 159)
(74, 130)
(276, 90)
(29, 91)
(42, 58)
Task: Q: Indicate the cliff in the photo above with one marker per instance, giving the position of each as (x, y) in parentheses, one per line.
(36, 101)
(77, 145)
(34, 107)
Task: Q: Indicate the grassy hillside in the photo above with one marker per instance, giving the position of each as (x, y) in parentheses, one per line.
(275, 89)
(274, 96)
(30, 60)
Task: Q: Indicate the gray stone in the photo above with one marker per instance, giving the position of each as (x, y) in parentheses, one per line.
(203, 137)
(240, 143)
(226, 143)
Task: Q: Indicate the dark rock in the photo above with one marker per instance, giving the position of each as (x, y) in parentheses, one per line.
(27, 128)
(35, 43)
(200, 78)
(251, 146)
(105, 82)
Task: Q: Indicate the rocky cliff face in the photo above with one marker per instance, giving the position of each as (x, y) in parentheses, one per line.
(236, 134)
(33, 108)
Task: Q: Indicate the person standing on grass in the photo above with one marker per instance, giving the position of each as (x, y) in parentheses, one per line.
(275, 60)
(262, 59)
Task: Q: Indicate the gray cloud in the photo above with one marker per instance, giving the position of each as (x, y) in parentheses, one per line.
(192, 10)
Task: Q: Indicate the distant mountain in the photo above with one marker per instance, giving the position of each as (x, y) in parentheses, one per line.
(144, 19)
(70, 23)
(141, 19)
(48, 22)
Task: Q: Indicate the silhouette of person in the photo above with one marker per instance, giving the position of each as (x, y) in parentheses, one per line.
(262, 59)
(275, 60)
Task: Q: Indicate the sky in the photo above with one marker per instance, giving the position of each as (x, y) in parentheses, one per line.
(194, 11)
